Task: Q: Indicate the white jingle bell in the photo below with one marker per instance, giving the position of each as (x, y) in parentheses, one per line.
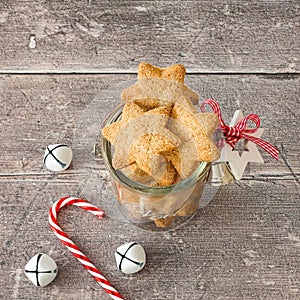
(41, 269)
(58, 157)
(130, 258)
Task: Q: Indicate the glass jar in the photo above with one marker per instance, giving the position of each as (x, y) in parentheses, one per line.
(154, 208)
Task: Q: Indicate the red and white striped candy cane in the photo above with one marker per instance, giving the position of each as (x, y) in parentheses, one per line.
(63, 237)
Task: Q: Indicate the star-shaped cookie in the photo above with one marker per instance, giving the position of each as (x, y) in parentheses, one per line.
(236, 159)
(198, 127)
(142, 139)
(131, 111)
(165, 176)
(165, 85)
(174, 72)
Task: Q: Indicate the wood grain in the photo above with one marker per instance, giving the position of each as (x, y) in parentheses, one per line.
(57, 57)
(90, 36)
(243, 245)
(40, 110)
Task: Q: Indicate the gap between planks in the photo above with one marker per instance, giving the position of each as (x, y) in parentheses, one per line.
(130, 72)
(69, 177)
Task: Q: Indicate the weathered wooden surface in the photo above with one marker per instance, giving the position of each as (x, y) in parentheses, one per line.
(207, 36)
(38, 110)
(246, 243)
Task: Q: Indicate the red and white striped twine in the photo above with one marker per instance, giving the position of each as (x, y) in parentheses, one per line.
(234, 133)
(63, 237)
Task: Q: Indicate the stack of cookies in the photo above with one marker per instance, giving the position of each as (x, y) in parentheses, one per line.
(161, 138)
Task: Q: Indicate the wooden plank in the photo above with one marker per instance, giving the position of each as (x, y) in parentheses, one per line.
(207, 36)
(40, 110)
(244, 244)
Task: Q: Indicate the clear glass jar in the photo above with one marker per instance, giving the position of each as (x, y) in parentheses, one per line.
(154, 208)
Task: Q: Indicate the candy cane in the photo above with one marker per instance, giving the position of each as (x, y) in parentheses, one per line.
(63, 237)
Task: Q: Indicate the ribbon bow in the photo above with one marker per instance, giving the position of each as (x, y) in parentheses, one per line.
(234, 133)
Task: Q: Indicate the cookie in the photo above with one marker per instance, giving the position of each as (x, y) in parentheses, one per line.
(161, 110)
(136, 174)
(130, 111)
(174, 72)
(188, 208)
(187, 104)
(199, 131)
(191, 204)
(138, 171)
(131, 132)
(166, 176)
(184, 159)
(147, 149)
(178, 128)
(164, 222)
(208, 121)
(147, 104)
(110, 132)
(165, 91)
